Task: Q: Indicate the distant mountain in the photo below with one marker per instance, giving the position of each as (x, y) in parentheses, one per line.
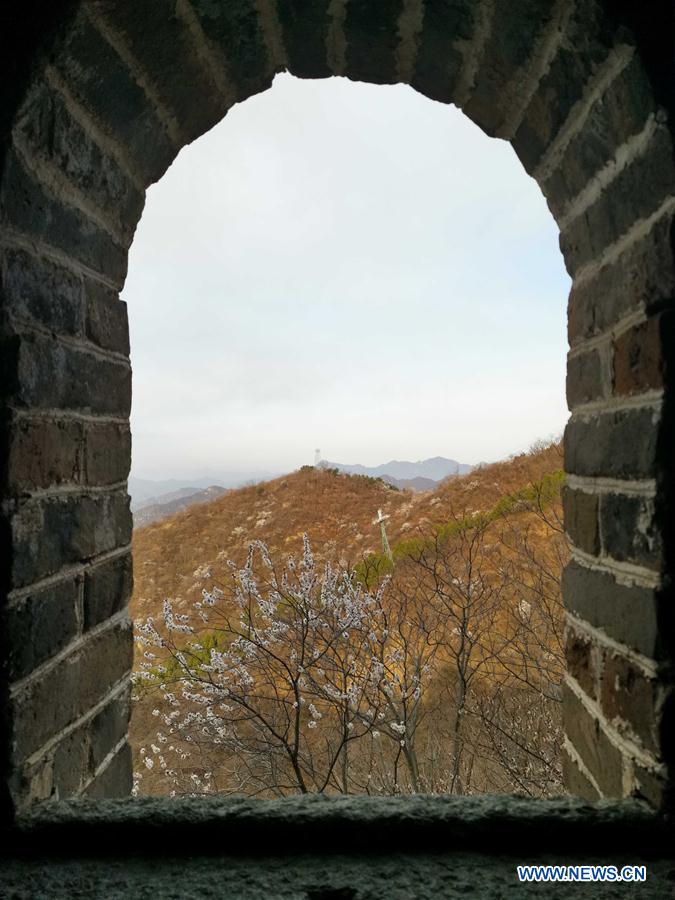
(435, 469)
(411, 484)
(169, 504)
(147, 490)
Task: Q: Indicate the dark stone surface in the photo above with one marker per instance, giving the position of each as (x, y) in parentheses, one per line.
(28, 207)
(629, 529)
(515, 30)
(105, 318)
(44, 453)
(53, 375)
(107, 588)
(621, 444)
(628, 700)
(40, 625)
(51, 702)
(635, 193)
(631, 615)
(38, 292)
(371, 31)
(64, 530)
(234, 31)
(584, 378)
(305, 31)
(107, 456)
(97, 75)
(445, 27)
(602, 759)
(581, 519)
(580, 661)
(644, 275)
(640, 354)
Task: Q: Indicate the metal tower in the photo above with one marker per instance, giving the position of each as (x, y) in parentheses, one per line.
(386, 549)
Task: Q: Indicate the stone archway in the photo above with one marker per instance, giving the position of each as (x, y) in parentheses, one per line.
(110, 102)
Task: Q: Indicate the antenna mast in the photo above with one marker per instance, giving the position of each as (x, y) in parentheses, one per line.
(380, 520)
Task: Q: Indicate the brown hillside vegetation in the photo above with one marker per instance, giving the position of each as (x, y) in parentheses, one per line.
(440, 672)
(337, 511)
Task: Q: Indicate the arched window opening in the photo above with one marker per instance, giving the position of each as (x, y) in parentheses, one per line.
(354, 267)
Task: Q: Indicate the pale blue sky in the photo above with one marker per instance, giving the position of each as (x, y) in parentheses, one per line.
(343, 266)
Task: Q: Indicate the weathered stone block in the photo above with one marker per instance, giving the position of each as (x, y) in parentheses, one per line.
(97, 75)
(44, 453)
(56, 532)
(116, 779)
(371, 31)
(234, 32)
(628, 699)
(584, 378)
(629, 530)
(587, 46)
(37, 291)
(580, 662)
(639, 359)
(305, 32)
(635, 193)
(77, 156)
(157, 36)
(602, 759)
(620, 113)
(105, 323)
(446, 26)
(622, 444)
(28, 207)
(40, 625)
(52, 375)
(60, 696)
(575, 781)
(643, 276)
(107, 589)
(107, 456)
(513, 36)
(634, 616)
(581, 519)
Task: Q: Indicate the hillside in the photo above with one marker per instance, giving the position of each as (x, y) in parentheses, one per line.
(336, 510)
(169, 504)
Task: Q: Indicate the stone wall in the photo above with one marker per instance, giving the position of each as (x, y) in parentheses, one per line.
(110, 96)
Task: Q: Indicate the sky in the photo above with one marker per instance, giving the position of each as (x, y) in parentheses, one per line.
(348, 267)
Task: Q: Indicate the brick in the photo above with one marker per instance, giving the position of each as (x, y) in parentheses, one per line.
(371, 32)
(635, 193)
(630, 532)
(107, 456)
(52, 375)
(107, 590)
(41, 625)
(584, 378)
(78, 157)
(635, 616)
(602, 759)
(639, 357)
(58, 698)
(621, 444)
(576, 783)
(37, 291)
(78, 756)
(628, 700)
(44, 453)
(96, 74)
(158, 37)
(305, 30)
(586, 47)
(105, 323)
(581, 519)
(649, 786)
(233, 30)
(619, 114)
(114, 781)
(580, 662)
(514, 33)
(54, 532)
(439, 58)
(28, 207)
(642, 277)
